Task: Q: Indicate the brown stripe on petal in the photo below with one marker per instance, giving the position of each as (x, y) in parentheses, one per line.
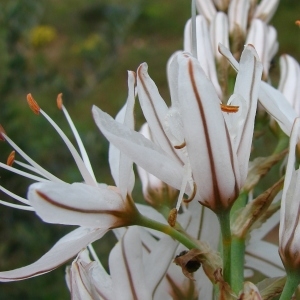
(155, 113)
(129, 276)
(83, 281)
(216, 192)
(115, 213)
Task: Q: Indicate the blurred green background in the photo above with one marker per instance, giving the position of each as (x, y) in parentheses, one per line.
(82, 49)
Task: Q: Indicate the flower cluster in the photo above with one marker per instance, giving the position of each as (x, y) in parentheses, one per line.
(193, 158)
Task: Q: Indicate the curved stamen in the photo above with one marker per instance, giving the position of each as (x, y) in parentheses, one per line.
(23, 207)
(24, 174)
(88, 178)
(28, 167)
(44, 172)
(82, 150)
(13, 195)
(188, 200)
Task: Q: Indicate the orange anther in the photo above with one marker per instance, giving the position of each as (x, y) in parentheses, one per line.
(172, 217)
(297, 23)
(180, 146)
(229, 108)
(59, 101)
(11, 158)
(33, 104)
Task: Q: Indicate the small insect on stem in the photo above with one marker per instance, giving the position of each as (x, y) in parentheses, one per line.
(229, 108)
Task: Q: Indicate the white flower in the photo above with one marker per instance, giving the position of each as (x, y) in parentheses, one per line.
(270, 98)
(206, 130)
(289, 230)
(95, 207)
(137, 265)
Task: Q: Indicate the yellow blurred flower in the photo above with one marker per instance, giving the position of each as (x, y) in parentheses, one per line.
(41, 36)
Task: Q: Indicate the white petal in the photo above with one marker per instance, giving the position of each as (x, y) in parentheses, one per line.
(120, 164)
(141, 150)
(76, 204)
(289, 81)
(62, 251)
(206, 8)
(208, 144)
(89, 280)
(238, 15)
(266, 9)
(154, 109)
(204, 50)
(219, 33)
(159, 260)
(126, 268)
(247, 86)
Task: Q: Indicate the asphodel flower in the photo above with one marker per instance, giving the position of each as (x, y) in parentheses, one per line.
(273, 101)
(240, 11)
(138, 265)
(213, 149)
(94, 207)
(289, 229)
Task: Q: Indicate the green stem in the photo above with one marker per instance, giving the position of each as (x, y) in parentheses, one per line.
(237, 263)
(177, 235)
(238, 249)
(290, 286)
(224, 219)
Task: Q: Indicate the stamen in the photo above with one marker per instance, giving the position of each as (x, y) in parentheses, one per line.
(229, 108)
(23, 207)
(88, 177)
(59, 101)
(193, 194)
(83, 152)
(172, 217)
(30, 161)
(11, 158)
(2, 138)
(33, 104)
(29, 167)
(25, 174)
(180, 146)
(297, 23)
(14, 196)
